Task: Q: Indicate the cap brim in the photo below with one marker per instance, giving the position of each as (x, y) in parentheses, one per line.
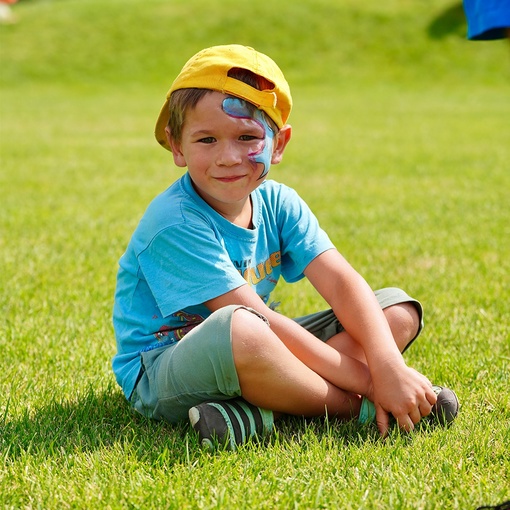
(161, 124)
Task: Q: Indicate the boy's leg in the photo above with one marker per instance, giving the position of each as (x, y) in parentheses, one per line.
(404, 315)
(271, 377)
(404, 322)
(266, 373)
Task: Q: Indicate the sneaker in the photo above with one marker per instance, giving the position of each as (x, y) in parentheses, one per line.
(446, 407)
(229, 423)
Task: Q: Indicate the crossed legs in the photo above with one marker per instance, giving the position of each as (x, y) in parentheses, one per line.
(272, 377)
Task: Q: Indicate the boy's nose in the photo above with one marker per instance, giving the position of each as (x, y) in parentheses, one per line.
(229, 155)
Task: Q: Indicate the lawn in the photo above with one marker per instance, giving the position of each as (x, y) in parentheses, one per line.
(401, 146)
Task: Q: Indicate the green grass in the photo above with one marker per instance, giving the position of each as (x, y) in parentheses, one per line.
(400, 146)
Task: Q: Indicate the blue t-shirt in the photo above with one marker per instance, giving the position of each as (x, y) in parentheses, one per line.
(183, 253)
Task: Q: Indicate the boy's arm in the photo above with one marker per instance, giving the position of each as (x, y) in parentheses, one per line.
(341, 370)
(397, 388)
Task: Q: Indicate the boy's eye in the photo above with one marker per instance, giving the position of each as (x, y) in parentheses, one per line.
(248, 138)
(207, 139)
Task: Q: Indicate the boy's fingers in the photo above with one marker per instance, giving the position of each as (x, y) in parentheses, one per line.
(383, 420)
(405, 422)
(426, 404)
(425, 409)
(431, 396)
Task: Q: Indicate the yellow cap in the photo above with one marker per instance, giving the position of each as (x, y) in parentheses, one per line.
(209, 68)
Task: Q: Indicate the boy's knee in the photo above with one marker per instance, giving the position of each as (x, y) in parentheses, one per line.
(248, 315)
(250, 334)
(247, 323)
(404, 321)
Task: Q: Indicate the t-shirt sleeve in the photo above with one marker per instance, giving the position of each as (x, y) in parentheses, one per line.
(302, 238)
(186, 265)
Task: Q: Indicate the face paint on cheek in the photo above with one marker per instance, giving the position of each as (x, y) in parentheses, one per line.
(264, 156)
(237, 108)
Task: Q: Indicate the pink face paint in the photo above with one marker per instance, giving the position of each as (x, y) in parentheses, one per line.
(237, 108)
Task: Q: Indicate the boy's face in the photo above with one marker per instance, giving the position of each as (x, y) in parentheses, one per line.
(227, 150)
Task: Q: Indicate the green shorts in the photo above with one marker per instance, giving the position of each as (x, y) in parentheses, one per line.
(201, 368)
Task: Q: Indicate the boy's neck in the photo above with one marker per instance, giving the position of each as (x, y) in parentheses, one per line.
(243, 218)
(238, 213)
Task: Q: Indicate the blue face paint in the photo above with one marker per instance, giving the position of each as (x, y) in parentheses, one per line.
(238, 108)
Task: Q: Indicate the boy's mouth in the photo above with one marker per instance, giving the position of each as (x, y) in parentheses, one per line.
(230, 178)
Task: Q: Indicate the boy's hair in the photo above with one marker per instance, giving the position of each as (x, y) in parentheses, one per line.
(184, 99)
(235, 70)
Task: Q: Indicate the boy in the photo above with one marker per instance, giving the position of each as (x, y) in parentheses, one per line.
(196, 335)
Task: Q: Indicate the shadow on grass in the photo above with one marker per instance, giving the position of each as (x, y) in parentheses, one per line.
(450, 21)
(293, 429)
(98, 419)
(306, 431)
(101, 419)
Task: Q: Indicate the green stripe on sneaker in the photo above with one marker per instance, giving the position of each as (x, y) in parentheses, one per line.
(240, 423)
(251, 419)
(367, 411)
(267, 419)
(260, 420)
(230, 426)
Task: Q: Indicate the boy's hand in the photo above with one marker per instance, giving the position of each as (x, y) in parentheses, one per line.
(402, 392)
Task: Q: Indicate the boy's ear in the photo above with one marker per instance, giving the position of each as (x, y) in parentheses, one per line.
(176, 149)
(281, 141)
